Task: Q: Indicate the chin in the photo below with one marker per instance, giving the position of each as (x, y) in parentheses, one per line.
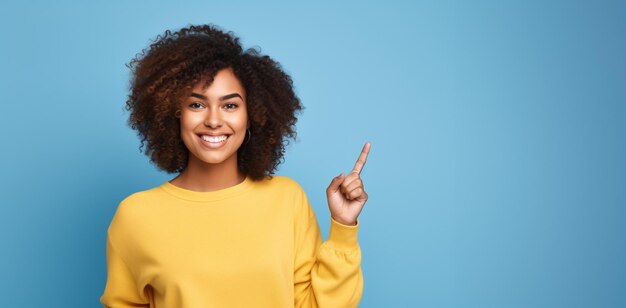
(212, 159)
(215, 158)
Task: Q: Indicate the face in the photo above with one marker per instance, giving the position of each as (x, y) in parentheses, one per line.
(213, 121)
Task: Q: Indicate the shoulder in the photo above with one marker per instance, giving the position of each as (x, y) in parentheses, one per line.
(282, 184)
(284, 188)
(138, 200)
(283, 180)
(133, 207)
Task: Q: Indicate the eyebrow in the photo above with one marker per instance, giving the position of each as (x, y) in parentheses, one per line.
(200, 96)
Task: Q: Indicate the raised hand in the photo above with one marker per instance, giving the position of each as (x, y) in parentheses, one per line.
(346, 195)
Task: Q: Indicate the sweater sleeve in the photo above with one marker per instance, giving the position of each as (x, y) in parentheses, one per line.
(121, 289)
(325, 274)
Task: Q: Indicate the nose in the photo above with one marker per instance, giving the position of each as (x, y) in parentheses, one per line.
(213, 119)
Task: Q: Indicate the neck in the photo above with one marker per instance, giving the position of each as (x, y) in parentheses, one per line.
(203, 177)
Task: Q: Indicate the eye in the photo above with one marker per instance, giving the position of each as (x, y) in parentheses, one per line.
(230, 106)
(195, 105)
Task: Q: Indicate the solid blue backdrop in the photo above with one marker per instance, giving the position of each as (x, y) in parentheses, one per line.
(496, 176)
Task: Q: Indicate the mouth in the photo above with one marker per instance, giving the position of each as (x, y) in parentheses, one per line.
(213, 141)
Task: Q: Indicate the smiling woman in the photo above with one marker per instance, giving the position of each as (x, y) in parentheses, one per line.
(180, 66)
(213, 125)
(226, 232)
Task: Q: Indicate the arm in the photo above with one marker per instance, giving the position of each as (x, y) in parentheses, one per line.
(329, 274)
(121, 289)
(326, 274)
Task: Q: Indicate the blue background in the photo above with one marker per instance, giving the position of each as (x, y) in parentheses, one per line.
(497, 172)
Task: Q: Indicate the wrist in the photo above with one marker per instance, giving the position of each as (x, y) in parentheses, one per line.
(343, 237)
(344, 222)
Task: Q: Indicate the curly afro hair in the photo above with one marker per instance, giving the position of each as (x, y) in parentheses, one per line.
(164, 73)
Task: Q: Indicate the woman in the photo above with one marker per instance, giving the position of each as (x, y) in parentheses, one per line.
(225, 232)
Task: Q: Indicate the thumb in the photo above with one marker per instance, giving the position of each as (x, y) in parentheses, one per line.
(335, 183)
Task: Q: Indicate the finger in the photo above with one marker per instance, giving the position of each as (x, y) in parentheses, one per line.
(348, 187)
(349, 179)
(356, 193)
(362, 158)
(335, 183)
(363, 196)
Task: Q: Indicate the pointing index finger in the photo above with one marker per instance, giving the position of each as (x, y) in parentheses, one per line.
(362, 158)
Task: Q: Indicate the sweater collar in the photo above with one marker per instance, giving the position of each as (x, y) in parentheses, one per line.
(204, 196)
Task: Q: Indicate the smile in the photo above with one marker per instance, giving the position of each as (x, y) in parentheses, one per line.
(214, 138)
(213, 142)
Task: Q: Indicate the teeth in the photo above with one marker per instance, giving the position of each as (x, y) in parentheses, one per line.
(214, 138)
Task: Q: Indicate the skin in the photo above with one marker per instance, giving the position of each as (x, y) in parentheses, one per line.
(346, 195)
(211, 169)
(214, 169)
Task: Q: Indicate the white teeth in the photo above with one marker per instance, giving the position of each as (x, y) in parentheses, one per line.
(214, 138)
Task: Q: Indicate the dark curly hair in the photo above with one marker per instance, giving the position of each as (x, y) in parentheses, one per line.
(164, 73)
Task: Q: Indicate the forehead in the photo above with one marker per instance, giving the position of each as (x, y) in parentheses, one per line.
(223, 81)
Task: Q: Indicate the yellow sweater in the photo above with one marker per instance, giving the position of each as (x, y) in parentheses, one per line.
(255, 244)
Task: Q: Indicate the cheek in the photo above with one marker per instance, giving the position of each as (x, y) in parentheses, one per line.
(189, 121)
(240, 121)
(187, 131)
(240, 124)
(244, 122)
